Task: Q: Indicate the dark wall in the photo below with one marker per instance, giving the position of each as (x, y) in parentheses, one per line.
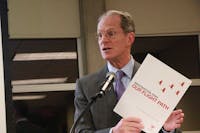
(179, 52)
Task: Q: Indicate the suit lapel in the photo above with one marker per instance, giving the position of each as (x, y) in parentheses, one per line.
(135, 68)
(101, 76)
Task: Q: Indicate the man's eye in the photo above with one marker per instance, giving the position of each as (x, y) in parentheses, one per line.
(111, 33)
(99, 35)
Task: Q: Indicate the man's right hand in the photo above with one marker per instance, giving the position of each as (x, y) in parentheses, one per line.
(128, 125)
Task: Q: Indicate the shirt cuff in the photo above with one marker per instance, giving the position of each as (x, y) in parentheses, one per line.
(164, 131)
(110, 130)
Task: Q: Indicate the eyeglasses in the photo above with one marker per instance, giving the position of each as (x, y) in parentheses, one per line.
(110, 34)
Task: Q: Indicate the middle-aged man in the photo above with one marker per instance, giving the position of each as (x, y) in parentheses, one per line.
(116, 34)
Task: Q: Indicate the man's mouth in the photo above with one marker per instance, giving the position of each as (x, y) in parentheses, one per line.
(106, 49)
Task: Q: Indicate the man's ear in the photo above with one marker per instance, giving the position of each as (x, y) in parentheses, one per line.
(131, 37)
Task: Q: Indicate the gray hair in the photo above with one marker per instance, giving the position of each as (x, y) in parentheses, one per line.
(127, 23)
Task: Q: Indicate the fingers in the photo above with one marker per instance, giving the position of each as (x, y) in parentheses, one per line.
(133, 119)
(133, 123)
(126, 125)
(178, 125)
(174, 120)
(180, 120)
(176, 112)
(179, 116)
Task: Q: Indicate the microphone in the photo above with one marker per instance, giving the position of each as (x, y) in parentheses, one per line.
(110, 76)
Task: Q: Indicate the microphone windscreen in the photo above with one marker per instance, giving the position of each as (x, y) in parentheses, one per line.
(111, 74)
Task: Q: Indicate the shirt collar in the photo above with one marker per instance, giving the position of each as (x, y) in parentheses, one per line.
(127, 69)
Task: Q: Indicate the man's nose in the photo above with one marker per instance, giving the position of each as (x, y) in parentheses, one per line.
(104, 37)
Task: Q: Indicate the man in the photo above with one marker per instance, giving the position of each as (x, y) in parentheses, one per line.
(116, 34)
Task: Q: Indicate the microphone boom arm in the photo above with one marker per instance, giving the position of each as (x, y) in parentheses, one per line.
(92, 100)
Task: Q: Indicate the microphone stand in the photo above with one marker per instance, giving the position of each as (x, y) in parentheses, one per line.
(92, 100)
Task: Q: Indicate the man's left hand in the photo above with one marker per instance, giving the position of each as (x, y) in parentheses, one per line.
(174, 120)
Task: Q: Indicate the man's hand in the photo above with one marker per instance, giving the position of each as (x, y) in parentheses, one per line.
(174, 120)
(128, 125)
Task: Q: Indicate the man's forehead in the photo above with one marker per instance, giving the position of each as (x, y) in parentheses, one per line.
(110, 18)
(108, 23)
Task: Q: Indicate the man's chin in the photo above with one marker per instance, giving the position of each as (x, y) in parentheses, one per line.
(106, 58)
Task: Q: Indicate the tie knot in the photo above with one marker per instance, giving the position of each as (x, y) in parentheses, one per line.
(120, 74)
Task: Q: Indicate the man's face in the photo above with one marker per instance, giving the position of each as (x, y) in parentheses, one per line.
(114, 44)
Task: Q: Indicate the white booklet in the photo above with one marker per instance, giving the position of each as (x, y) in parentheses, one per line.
(152, 94)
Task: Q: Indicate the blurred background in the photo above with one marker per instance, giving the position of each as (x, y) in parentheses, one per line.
(48, 44)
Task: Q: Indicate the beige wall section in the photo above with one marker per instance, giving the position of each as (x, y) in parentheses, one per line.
(161, 16)
(91, 10)
(43, 18)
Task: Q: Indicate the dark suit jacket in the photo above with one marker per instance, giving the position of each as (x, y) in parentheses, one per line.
(100, 117)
